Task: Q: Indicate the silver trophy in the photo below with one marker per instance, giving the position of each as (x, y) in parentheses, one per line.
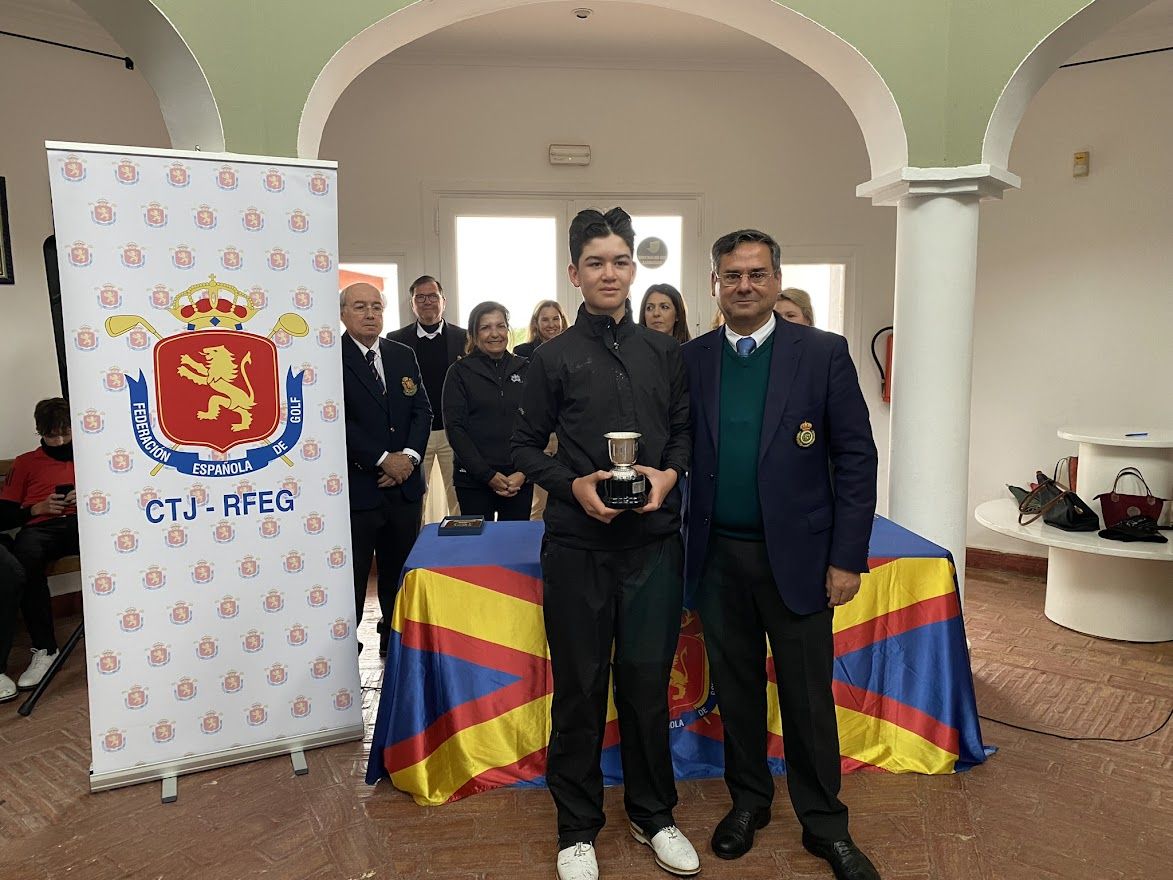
(625, 488)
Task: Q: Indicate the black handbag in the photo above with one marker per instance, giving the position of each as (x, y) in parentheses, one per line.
(1056, 504)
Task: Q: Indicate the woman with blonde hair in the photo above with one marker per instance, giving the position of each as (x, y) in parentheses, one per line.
(794, 305)
(547, 321)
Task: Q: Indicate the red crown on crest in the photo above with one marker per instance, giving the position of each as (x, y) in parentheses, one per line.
(212, 303)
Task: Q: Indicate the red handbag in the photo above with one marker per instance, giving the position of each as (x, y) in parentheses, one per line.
(1118, 507)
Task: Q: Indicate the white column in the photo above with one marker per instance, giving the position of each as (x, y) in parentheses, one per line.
(936, 267)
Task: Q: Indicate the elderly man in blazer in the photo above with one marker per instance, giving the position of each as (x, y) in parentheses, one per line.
(782, 493)
(438, 344)
(387, 423)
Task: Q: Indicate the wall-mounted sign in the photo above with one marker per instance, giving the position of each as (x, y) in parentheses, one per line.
(652, 252)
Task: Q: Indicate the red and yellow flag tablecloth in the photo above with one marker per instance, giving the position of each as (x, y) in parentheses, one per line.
(465, 705)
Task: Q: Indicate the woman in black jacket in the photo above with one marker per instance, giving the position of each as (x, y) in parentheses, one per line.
(547, 322)
(482, 393)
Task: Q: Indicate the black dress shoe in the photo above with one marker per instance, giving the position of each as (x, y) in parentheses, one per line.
(384, 633)
(844, 857)
(733, 837)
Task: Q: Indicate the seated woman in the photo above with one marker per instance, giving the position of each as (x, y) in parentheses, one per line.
(482, 393)
(794, 305)
(663, 310)
(548, 321)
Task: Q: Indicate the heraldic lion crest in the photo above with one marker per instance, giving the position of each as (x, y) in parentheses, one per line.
(219, 372)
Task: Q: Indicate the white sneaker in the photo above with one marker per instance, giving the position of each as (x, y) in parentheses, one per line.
(673, 851)
(578, 863)
(7, 688)
(39, 665)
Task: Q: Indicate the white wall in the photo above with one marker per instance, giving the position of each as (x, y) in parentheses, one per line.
(48, 93)
(1075, 278)
(787, 159)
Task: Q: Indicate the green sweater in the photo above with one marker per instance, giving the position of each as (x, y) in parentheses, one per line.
(737, 511)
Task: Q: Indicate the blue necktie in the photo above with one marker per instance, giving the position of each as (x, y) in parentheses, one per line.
(375, 371)
(745, 345)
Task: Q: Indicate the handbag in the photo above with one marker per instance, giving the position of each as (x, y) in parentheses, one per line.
(1118, 507)
(1056, 504)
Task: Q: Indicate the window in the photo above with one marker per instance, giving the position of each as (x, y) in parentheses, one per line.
(825, 284)
(510, 260)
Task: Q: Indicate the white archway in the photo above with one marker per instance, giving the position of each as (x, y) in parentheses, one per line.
(1054, 49)
(166, 61)
(838, 62)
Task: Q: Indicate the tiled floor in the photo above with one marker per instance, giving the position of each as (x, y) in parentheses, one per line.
(1041, 808)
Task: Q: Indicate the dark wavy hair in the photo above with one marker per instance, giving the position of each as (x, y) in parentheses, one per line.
(474, 321)
(680, 327)
(51, 416)
(591, 224)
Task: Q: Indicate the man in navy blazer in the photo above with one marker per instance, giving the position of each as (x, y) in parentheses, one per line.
(388, 419)
(782, 493)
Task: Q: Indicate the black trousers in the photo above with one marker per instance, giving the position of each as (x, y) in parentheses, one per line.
(11, 590)
(611, 611)
(483, 501)
(387, 533)
(739, 607)
(35, 547)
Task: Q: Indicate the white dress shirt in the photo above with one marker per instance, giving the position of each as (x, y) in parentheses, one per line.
(759, 336)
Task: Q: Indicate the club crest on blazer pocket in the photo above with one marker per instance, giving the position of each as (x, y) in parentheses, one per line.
(409, 386)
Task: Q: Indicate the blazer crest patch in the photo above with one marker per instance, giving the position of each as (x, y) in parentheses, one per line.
(409, 386)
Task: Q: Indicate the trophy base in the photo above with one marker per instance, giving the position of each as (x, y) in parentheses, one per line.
(624, 494)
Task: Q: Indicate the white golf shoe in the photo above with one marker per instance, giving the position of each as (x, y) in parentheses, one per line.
(673, 851)
(38, 666)
(7, 688)
(578, 863)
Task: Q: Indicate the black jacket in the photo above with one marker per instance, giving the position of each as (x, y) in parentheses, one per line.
(526, 349)
(596, 377)
(481, 400)
(378, 422)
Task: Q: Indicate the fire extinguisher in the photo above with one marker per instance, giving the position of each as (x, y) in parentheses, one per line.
(885, 368)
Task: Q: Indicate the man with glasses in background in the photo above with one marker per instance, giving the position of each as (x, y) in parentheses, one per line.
(437, 345)
(387, 423)
(782, 492)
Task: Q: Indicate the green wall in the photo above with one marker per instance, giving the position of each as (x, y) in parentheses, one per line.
(945, 61)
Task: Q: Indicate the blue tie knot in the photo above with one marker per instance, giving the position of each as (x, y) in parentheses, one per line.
(746, 345)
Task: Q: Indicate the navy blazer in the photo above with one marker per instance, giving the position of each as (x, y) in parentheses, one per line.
(817, 502)
(377, 423)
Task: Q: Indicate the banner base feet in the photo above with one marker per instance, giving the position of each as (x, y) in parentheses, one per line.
(300, 768)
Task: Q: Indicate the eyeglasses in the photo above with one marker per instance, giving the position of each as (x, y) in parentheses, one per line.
(363, 308)
(427, 297)
(757, 278)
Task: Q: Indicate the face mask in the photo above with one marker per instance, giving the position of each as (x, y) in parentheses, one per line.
(64, 452)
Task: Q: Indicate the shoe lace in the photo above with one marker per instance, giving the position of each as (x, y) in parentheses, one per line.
(582, 849)
(671, 831)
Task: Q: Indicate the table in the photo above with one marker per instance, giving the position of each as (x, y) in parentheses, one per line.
(465, 704)
(1108, 589)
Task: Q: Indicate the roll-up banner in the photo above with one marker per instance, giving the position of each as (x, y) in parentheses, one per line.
(200, 302)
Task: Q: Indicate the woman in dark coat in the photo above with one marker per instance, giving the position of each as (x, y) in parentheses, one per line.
(547, 322)
(482, 393)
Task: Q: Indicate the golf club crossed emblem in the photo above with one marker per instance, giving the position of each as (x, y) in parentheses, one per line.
(217, 385)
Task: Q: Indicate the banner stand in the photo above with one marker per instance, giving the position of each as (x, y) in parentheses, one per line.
(200, 307)
(170, 771)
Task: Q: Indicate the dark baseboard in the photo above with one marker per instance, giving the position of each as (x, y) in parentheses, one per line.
(1012, 563)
